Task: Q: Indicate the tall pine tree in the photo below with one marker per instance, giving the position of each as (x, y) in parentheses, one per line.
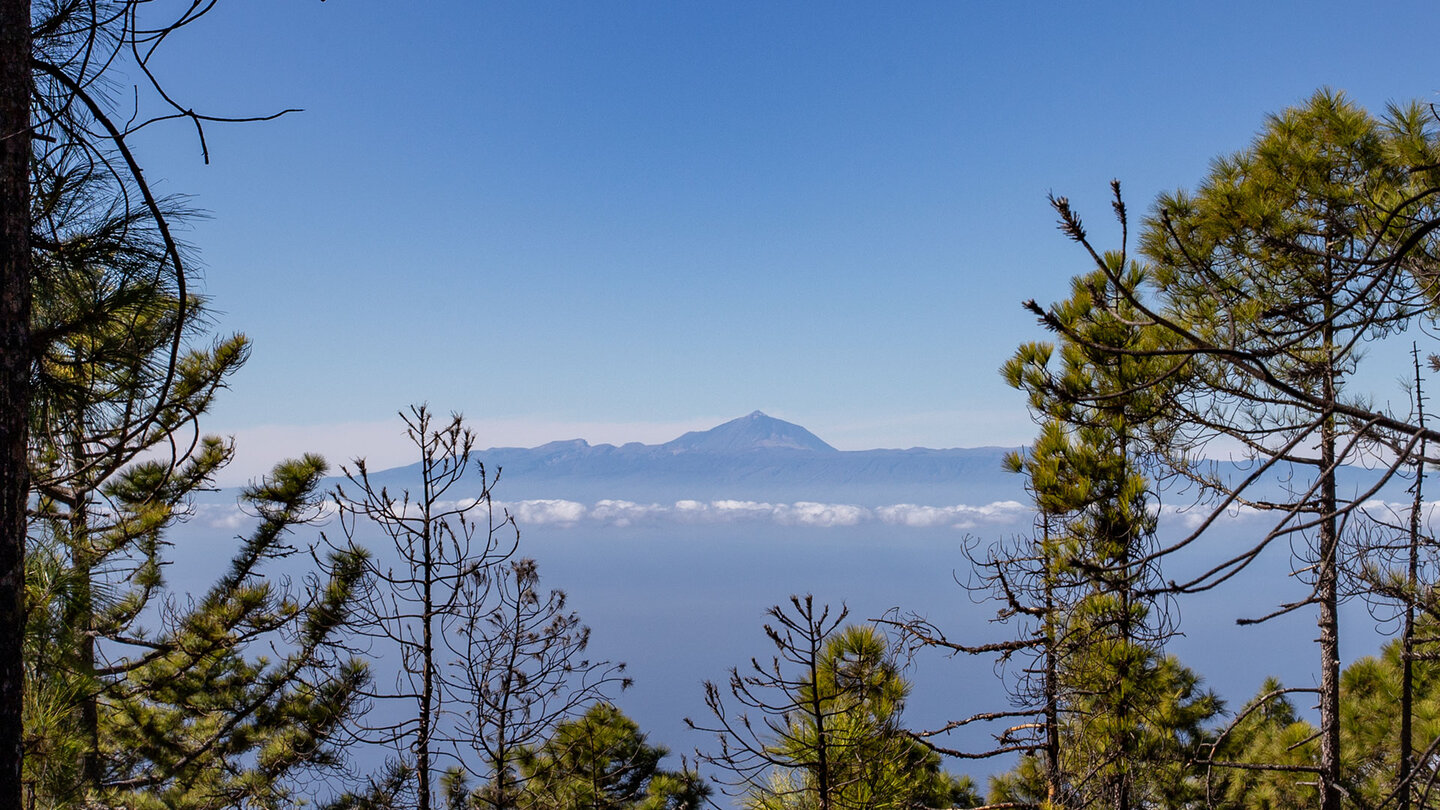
(137, 694)
(1120, 715)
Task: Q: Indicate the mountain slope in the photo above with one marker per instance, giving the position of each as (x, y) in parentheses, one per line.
(759, 458)
(750, 433)
(755, 457)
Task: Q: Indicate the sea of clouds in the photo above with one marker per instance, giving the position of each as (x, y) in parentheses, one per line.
(622, 513)
(562, 513)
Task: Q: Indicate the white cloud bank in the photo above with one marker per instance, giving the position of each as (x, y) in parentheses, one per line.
(555, 512)
(620, 513)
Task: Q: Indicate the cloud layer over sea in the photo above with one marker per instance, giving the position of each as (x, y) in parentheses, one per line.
(563, 513)
(623, 513)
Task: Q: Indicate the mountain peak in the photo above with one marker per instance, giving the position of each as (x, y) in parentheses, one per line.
(754, 431)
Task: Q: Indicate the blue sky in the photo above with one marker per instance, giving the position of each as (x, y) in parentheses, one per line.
(623, 221)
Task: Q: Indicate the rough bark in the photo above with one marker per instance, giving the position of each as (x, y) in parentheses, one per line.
(15, 391)
(1328, 586)
(1405, 767)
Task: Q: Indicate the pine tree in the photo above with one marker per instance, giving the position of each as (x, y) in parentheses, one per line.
(198, 711)
(827, 734)
(1282, 256)
(184, 710)
(489, 663)
(601, 761)
(524, 673)
(245, 689)
(1263, 761)
(438, 566)
(57, 61)
(1263, 286)
(105, 394)
(1119, 715)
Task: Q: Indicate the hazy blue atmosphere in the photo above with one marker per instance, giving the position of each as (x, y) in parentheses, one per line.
(673, 552)
(603, 231)
(637, 589)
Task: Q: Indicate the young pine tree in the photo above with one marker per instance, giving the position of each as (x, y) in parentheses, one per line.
(135, 694)
(1120, 717)
(827, 733)
(601, 761)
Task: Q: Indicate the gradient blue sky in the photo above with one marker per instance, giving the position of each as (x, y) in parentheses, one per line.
(622, 221)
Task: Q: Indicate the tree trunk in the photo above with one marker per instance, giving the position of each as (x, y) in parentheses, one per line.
(1412, 579)
(1407, 643)
(822, 744)
(1124, 678)
(81, 617)
(427, 650)
(1327, 587)
(15, 392)
(1329, 642)
(1052, 675)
